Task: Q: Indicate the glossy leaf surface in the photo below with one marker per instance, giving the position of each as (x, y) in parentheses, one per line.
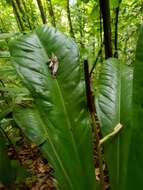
(136, 155)
(113, 104)
(58, 123)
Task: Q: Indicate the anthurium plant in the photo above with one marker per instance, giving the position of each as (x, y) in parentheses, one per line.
(47, 61)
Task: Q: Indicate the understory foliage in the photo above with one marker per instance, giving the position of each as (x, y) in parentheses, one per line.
(72, 81)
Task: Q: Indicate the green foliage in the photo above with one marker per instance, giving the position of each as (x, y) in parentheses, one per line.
(58, 122)
(58, 91)
(115, 3)
(85, 19)
(10, 170)
(118, 102)
(4, 36)
(6, 173)
(114, 92)
(136, 164)
(85, 1)
(113, 104)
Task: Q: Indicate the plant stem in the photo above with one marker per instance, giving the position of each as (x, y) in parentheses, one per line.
(99, 152)
(98, 54)
(89, 95)
(91, 108)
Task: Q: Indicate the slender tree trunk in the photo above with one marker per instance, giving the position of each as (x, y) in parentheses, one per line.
(69, 20)
(105, 10)
(81, 25)
(81, 34)
(2, 26)
(31, 8)
(17, 15)
(51, 13)
(116, 32)
(92, 111)
(20, 7)
(43, 15)
(116, 29)
(89, 93)
(22, 13)
(27, 14)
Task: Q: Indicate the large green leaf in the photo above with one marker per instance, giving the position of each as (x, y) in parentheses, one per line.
(4, 54)
(58, 123)
(4, 36)
(113, 104)
(136, 155)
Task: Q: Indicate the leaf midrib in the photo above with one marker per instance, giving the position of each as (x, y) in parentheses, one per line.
(68, 124)
(56, 154)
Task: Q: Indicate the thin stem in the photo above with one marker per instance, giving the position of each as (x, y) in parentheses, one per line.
(95, 62)
(91, 108)
(89, 95)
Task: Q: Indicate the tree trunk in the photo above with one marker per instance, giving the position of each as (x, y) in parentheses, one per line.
(20, 7)
(69, 20)
(22, 13)
(80, 22)
(27, 15)
(2, 26)
(105, 10)
(116, 29)
(51, 13)
(43, 15)
(17, 15)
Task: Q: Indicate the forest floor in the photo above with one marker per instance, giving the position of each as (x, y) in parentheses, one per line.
(41, 173)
